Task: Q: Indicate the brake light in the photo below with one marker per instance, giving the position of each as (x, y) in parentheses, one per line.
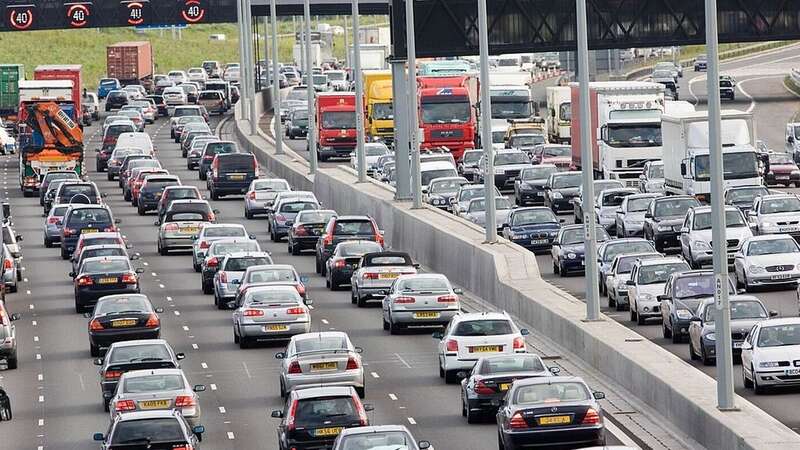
(212, 262)
(69, 231)
(517, 422)
(327, 240)
(482, 389)
(54, 221)
(94, 325)
(280, 218)
(253, 313)
(370, 276)
(295, 311)
(352, 364)
(125, 405)
(252, 195)
(519, 343)
(152, 321)
(406, 300)
(290, 418)
(451, 345)
(379, 239)
(301, 289)
(300, 231)
(362, 414)
(212, 217)
(183, 401)
(112, 374)
(111, 229)
(592, 417)
(294, 367)
(207, 157)
(447, 299)
(339, 263)
(7, 264)
(223, 277)
(171, 227)
(85, 281)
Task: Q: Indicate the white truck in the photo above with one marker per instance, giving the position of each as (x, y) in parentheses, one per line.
(319, 53)
(373, 56)
(559, 114)
(509, 101)
(686, 154)
(625, 127)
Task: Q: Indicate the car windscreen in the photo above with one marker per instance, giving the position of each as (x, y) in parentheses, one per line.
(779, 335)
(488, 327)
(506, 364)
(571, 180)
(237, 162)
(551, 393)
(557, 152)
(241, 264)
(533, 216)
(674, 207)
(503, 159)
(338, 120)
(148, 431)
(537, 173)
(106, 266)
(428, 175)
(224, 248)
(375, 150)
(318, 412)
(746, 194)
(613, 249)
(574, 236)
(614, 198)
(780, 205)
(639, 204)
(445, 186)
(733, 219)
(479, 205)
(152, 383)
(695, 286)
(658, 273)
(772, 247)
(271, 276)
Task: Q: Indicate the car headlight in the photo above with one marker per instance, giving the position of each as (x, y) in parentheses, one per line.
(557, 195)
(518, 236)
(768, 364)
(756, 269)
(710, 337)
(683, 314)
(499, 171)
(701, 245)
(646, 297)
(571, 255)
(664, 227)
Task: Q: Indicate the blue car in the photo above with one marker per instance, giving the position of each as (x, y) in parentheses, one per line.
(568, 251)
(534, 228)
(107, 85)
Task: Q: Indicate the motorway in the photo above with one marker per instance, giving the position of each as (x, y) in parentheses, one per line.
(760, 91)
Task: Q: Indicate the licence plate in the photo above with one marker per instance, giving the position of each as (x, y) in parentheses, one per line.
(154, 404)
(538, 241)
(504, 386)
(276, 327)
(388, 275)
(331, 431)
(426, 315)
(485, 349)
(108, 280)
(89, 230)
(540, 194)
(189, 230)
(791, 372)
(123, 323)
(323, 366)
(789, 229)
(782, 276)
(236, 177)
(554, 420)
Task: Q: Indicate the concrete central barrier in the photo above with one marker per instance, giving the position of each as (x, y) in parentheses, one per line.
(507, 276)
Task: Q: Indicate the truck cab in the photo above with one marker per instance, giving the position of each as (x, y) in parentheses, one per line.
(379, 110)
(559, 114)
(446, 112)
(336, 124)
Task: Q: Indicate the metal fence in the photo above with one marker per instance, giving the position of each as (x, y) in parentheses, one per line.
(795, 77)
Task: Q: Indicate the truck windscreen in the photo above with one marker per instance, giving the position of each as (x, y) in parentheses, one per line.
(634, 135)
(339, 120)
(456, 112)
(382, 111)
(736, 166)
(510, 110)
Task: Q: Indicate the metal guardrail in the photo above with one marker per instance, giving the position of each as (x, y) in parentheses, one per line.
(795, 77)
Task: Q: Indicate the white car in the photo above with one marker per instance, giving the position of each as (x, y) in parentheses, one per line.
(652, 177)
(197, 74)
(422, 299)
(608, 203)
(767, 260)
(776, 213)
(471, 336)
(769, 353)
(619, 274)
(372, 151)
(174, 96)
(211, 233)
(178, 76)
(648, 279)
(695, 237)
(630, 215)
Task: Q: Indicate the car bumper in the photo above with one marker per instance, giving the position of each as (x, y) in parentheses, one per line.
(177, 242)
(482, 403)
(504, 181)
(227, 187)
(574, 435)
(280, 229)
(534, 244)
(767, 278)
(407, 317)
(304, 242)
(574, 265)
(710, 347)
(776, 378)
(633, 229)
(226, 290)
(147, 204)
(531, 197)
(106, 338)
(648, 309)
(772, 178)
(336, 151)
(353, 378)
(113, 170)
(667, 239)
(561, 204)
(53, 234)
(193, 161)
(258, 331)
(85, 297)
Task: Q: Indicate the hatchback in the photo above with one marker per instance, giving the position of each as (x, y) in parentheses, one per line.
(84, 219)
(269, 313)
(420, 300)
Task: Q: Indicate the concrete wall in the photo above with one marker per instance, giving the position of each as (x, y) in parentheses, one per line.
(508, 277)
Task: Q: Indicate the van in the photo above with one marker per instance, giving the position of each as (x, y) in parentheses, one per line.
(232, 173)
(430, 170)
(137, 140)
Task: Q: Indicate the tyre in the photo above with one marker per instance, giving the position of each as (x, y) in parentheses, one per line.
(361, 301)
(639, 319)
(385, 323)
(78, 307)
(202, 175)
(611, 301)
(555, 268)
(64, 254)
(140, 210)
(748, 384)
(13, 363)
(94, 350)
(393, 328)
(361, 391)
(214, 195)
(450, 377)
(562, 271)
(666, 332)
(208, 288)
(235, 337)
(677, 337)
(707, 361)
(110, 177)
(13, 288)
(757, 388)
(335, 285)
(243, 342)
(472, 417)
(48, 243)
(317, 267)
(633, 314)
(248, 215)
(294, 250)
(196, 267)
(161, 250)
(5, 414)
(126, 195)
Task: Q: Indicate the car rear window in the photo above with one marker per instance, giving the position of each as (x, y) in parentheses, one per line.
(113, 251)
(187, 193)
(60, 176)
(224, 232)
(116, 130)
(316, 412)
(551, 393)
(294, 207)
(135, 353)
(89, 215)
(320, 343)
(159, 185)
(100, 241)
(121, 305)
(267, 296)
(388, 260)
(271, 275)
(359, 249)
(213, 95)
(148, 430)
(183, 216)
(180, 112)
(106, 266)
(153, 383)
(241, 264)
(516, 363)
(238, 162)
(116, 95)
(224, 248)
(220, 148)
(483, 328)
(353, 227)
(423, 284)
(59, 211)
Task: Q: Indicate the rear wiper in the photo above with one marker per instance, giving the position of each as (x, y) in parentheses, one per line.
(336, 415)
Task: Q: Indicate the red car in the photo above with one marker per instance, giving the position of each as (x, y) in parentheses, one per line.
(560, 155)
(782, 170)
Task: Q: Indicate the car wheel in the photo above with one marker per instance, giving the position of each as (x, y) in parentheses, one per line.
(677, 337)
(294, 250)
(126, 195)
(555, 268)
(78, 306)
(64, 254)
(747, 287)
(361, 391)
(106, 406)
(361, 301)
(748, 384)
(5, 414)
(235, 336)
(214, 195)
(393, 327)
(757, 388)
(208, 288)
(317, 266)
(273, 237)
(196, 266)
(161, 250)
(500, 445)
(463, 405)
(243, 342)
(48, 243)
(12, 363)
(639, 319)
(472, 417)
(441, 371)
(94, 350)
(562, 271)
(353, 295)
(450, 377)
(633, 313)
(611, 301)
(386, 324)
(703, 356)
(248, 215)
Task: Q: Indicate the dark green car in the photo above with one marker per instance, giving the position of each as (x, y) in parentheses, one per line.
(297, 123)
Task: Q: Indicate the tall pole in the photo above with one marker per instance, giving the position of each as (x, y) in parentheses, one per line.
(251, 78)
(276, 89)
(401, 130)
(242, 56)
(718, 239)
(486, 126)
(360, 157)
(312, 131)
(413, 126)
(346, 46)
(587, 197)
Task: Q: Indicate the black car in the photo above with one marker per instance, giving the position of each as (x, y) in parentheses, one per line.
(116, 100)
(125, 167)
(52, 176)
(306, 229)
(560, 189)
(163, 110)
(483, 388)
(344, 261)
(140, 354)
(101, 276)
(743, 197)
(548, 412)
(211, 150)
(297, 123)
(5, 405)
(157, 429)
(84, 219)
(664, 218)
(76, 191)
(313, 417)
(232, 174)
(123, 317)
(151, 191)
(344, 228)
(727, 87)
(529, 186)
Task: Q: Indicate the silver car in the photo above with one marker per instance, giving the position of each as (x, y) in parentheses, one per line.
(464, 195)
(53, 224)
(180, 226)
(420, 300)
(145, 390)
(216, 253)
(210, 233)
(11, 272)
(619, 274)
(321, 359)
(269, 313)
(376, 272)
(233, 266)
(608, 203)
(273, 274)
(629, 218)
(476, 212)
(261, 194)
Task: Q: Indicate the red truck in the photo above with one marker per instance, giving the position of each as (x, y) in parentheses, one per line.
(71, 72)
(131, 63)
(336, 124)
(447, 113)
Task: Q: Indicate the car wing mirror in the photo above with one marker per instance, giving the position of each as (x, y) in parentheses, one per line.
(368, 407)
(773, 313)
(280, 355)
(98, 361)
(199, 387)
(554, 370)
(277, 414)
(16, 316)
(458, 291)
(180, 356)
(98, 437)
(231, 305)
(599, 395)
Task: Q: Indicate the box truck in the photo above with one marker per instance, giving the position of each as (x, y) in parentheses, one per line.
(336, 124)
(559, 114)
(131, 63)
(10, 76)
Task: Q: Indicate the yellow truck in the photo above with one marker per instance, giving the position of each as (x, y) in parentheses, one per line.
(380, 114)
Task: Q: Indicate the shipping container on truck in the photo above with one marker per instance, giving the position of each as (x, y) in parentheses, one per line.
(336, 124)
(446, 107)
(379, 108)
(10, 76)
(131, 63)
(70, 72)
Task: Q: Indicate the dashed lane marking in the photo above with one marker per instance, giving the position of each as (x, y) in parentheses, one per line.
(375, 375)
(393, 397)
(412, 421)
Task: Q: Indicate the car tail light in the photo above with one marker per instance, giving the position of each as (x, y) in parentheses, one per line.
(370, 276)
(517, 422)
(290, 418)
(54, 220)
(212, 262)
(85, 281)
(253, 313)
(379, 239)
(339, 263)
(183, 447)
(301, 289)
(171, 227)
(280, 218)
(112, 374)
(295, 311)
(212, 217)
(183, 401)
(207, 157)
(405, 300)
(362, 414)
(300, 230)
(69, 231)
(592, 417)
(129, 278)
(482, 389)
(7, 264)
(294, 367)
(327, 240)
(252, 195)
(519, 343)
(352, 364)
(451, 345)
(94, 325)
(447, 299)
(152, 321)
(223, 277)
(124, 405)
(111, 229)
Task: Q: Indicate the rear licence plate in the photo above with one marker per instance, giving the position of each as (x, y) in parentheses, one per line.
(89, 230)
(331, 431)
(236, 177)
(189, 230)
(504, 386)
(426, 315)
(554, 420)
(276, 327)
(323, 366)
(154, 404)
(123, 323)
(388, 275)
(108, 280)
(485, 349)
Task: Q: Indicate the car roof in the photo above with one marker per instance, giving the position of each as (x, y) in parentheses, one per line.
(776, 196)
(324, 391)
(547, 380)
(487, 315)
(107, 258)
(138, 342)
(372, 429)
(189, 201)
(246, 254)
(148, 372)
(707, 208)
(271, 266)
(780, 321)
(151, 414)
(657, 261)
(319, 334)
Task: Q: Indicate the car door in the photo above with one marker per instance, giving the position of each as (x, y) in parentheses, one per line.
(555, 249)
(739, 261)
(632, 289)
(755, 215)
(696, 327)
(747, 348)
(619, 216)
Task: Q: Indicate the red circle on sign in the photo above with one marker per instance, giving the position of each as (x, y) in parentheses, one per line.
(192, 12)
(136, 14)
(21, 19)
(78, 15)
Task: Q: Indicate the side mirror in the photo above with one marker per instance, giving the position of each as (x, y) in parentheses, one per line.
(599, 395)
(198, 430)
(642, 177)
(630, 283)
(194, 237)
(231, 305)
(215, 211)
(97, 150)
(252, 236)
(104, 194)
(180, 356)
(458, 291)
(87, 315)
(236, 281)
(554, 370)
(280, 355)
(72, 274)
(684, 230)
(157, 223)
(129, 246)
(98, 361)
(359, 350)
(741, 291)
(505, 225)
(16, 316)
(159, 310)
(423, 445)
(308, 301)
(524, 331)
(134, 257)
(368, 407)
(662, 298)
(415, 265)
(277, 414)
(139, 270)
(772, 313)
(790, 139)
(437, 335)
(647, 215)
(199, 387)
(98, 437)
(19, 237)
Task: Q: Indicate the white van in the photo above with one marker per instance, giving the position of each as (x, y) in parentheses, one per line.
(136, 140)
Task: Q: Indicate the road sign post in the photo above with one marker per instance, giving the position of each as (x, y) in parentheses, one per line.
(360, 157)
(276, 88)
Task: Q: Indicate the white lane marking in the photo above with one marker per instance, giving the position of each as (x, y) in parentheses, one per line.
(185, 328)
(177, 313)
(393, 397)
(30, 306)
(310, 306)
(161, 286)
(619, 434)
(752, 100)
(153, 274)
(40, 377)
(36, 339)
(25, 280)
(38, 356)
(146, 264)
(412, 421)
(41, 422)
(246, 370)
(222, 410)
(402, 360)
(194, 346)
(169, 299)
(325, 321)
(41, 399)
(213, 386)
(375, 375)
(28, 292)
(34, 323)
(231, 436)
(204, 365)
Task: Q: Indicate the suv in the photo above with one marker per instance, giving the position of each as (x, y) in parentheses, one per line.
(232, 174)
(8, 337)
(81, 219)
(345, 228)
(776, 213)
(210, 151)
(647, 282)
(77, 191)
(507, 166)
(696, 235)
(151, 190)
(213, 101)
(664, 218)
(116, 100)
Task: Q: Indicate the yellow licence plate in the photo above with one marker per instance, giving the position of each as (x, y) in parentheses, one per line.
(484, 349)
(323, 366)
(108, 280)
(388, 275)
(426, 315)
(154, 404)
(330, 431)
(190, 230)
(89, 230)
(236, 177)
(554, 420)
(276, 327)
(504, 386)
(123, 323)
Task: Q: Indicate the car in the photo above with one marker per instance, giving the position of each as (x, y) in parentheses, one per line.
(177, 125)
(296, 123)
(190, 133)
(11, 271)
(209, 153)
(525, 142)
(77, 191)
(5, 406)
(8, 343)
(441, 191)
(99, 238)
(664, 219)
(163, 84)
(700, 63)
(140, 176)
(776, 214)
(507, 166)
(131, 161)
(534, 228)
(344, 228)
(175, 96)
(260, 194)
(468, 165)
(159, 426)
(727, 87)
(181, 222)
(269, 313)
(212, 68)
(652, 178)
(281, 218)
(122, 317)
(51, 176)
(743, 197)
(186, 110)
(470, 336)
(768, 260)
(232, 267)
(529, 186)
(81, 219)
(212, 100)
(782, 170)
(313, 417)
(210, 233)
(695, 237)
(216, 253)
(103, 275)
(313, 360)
(344, 260)
(465, 194)
(607, 204)
(419, 300)
(486, 384)
(114, 162)
(152, 188)
(160, 105)
(274, 275)
(134, 116)
(745, 312)
(557, 154)
(157, 389)
(50, 194)
(378, 436)
(106, 85)
(669, 80)
(116, 99)
(110, 136)
(676, 69)
(197, 75)
(149, 109)
(683, 293)
(308, 225)
(611, 248)
(618, 275)
(647, 282)
(53, 224)
(232, 174)
(196, 149)
(135, 91)
(373, 151)
(548, 411)
(178, 192)
(768, 352)
(560, 189)
(376, 273)
(599, 187)
(235, 95)
(92, 251)
(568, 251)
(629, 217)
(476, 212)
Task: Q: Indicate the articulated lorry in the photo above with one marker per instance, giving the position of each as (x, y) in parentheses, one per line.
(10, 76)
(336, 124)
(379, 108)
(625, 124)
(447, 112)
(131, 63)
